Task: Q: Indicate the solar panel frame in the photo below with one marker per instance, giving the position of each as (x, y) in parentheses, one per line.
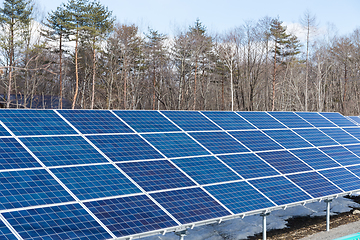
(181, 159)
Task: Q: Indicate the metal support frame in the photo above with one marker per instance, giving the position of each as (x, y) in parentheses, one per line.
(264, 215)
(328, 201)
(182, 234)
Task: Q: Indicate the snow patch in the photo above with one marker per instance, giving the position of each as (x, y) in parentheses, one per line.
(248, 226)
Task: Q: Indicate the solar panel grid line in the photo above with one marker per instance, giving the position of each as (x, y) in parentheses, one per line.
(7, 129)
(221, 204)
(344, 129)
(225, 131)
(211, 154)
(133, 181)
(304, 119)
(67, 189)
(281, 174)
(229, 166)
(8, 225)
(224, 162)
(277, 120)
(256, 155)
(65, 120)
(136, 184)
(284, 175)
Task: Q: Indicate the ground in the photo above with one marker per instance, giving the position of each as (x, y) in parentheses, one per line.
(300, 227)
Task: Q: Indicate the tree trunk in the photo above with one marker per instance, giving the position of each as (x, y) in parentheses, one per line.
(60, 77)
(76, 72)
(94, 75)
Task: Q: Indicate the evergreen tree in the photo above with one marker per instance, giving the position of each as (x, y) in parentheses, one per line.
(78, 12)
(14, 17)
(157, 58)
(201, 48)
(281, 41)
(99, 25)
(56, 24)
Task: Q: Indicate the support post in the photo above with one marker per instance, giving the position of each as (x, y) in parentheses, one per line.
(264, 215)
(328, 201)
(181, 234)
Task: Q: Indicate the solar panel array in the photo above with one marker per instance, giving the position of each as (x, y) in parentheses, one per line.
(99, 174)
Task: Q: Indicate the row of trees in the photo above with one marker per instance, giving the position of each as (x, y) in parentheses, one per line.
(83, 56)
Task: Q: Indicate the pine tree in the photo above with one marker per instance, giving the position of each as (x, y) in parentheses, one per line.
(281, 40)
(56, 24)
(157, 57)
(99, 25)
(14, 15)
(77, 10)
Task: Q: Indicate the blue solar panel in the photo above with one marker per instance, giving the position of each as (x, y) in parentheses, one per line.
(256, 140)
(13, 155)
(287, 138)
(261, 120)
(34, 122)
(59, 222)
(355, 170)
(239, 197)
(315, 119)
(340, 136)
(354, 149)
(290, 119)
(342, 178)
(315, 158)
(341, 155)
(228, 120)
(314, 184)
(130, 215)
(249, 165)
(4, 132)
(190, 121)
(190, 205)
(96, 181)
(124, 147)
(65, 150)
(147, 121)
(206, 170)
(353, 131)
(175, 144)
(355, 119)
(280, 190)
(30, 188)
(284, 161)
(5, 232)
(338, 119)
(315, 137)
(219, 142)
(95, 121)
(156, 175)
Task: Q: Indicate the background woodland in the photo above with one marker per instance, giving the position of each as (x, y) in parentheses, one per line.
(82, 55)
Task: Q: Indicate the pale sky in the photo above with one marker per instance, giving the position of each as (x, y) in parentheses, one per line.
(218, 16)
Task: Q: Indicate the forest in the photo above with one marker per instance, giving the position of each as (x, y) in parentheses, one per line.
(82, 55)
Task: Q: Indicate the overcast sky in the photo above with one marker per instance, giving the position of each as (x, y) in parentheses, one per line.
(222, 15)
